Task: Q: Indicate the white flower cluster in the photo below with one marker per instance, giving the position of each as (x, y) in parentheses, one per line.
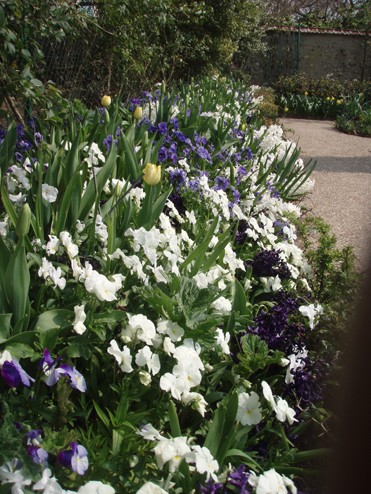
(174, 450)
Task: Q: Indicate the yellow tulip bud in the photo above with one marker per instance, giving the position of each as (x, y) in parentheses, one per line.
(243, 127)
(106, 100)
(152, 174)
(138, 112)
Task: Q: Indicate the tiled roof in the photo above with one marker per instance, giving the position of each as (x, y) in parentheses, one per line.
(317, 30)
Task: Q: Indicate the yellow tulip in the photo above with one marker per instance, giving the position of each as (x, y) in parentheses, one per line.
(152, 174)
(106, 100)
(243, 127)
(306, 93)
(138, 112)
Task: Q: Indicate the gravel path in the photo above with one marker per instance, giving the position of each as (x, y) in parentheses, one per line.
(342, 191)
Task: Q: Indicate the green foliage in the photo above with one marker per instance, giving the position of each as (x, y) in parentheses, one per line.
(356, 115)
(129, 45)
(23, 23)
(267, 109)
(321, 88)
(347, 101)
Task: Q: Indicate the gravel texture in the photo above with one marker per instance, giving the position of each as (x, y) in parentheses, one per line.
(342, 191)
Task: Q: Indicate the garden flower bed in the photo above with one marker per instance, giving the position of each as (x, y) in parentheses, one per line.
(156, 310)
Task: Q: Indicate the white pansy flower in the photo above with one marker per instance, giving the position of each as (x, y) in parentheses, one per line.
(284, 412)
(96, 487)
(271, 284)
(100, 286)
(151, 360)
(94, 155)
(139, 328)
(175, 385)
(197, 400)
(171, 329)
(49, 193)
(52, 246)
(205, 462)
(271, 482)
(171, 451)
(249, 410)
(48, 484)
(48, 271)
(80, 316)
(71, 248)
(10, 473)
(149, 433)
(151, 488)
(312, 312)
(222, 340)
(123, 357)
(222, 305)
(268, 395)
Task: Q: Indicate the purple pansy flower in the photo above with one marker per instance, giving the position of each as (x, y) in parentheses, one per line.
(38, 455)
(76, 458)
(54, 373)
(14, 375)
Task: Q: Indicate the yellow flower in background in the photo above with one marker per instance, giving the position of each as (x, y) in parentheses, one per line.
(243, 127)
(106, 100)
(339, 101)
(286, 109)
(332, 98)
(328, 98)
(138, 112)
(152, 174)
(306, 93)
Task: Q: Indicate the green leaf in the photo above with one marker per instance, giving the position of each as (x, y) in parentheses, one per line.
(17, 283)
(174, 421)
(198, 254)
(5, 321)
(95, 187)
(51, 319)
(21, 350)
(104, 418)
(249, 460)
(212, 440)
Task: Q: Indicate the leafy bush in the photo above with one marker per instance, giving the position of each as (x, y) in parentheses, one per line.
(322, 88)
(356, 115)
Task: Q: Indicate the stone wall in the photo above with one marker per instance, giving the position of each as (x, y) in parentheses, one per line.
(315, 53)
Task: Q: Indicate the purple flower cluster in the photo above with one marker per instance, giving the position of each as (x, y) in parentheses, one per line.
(309, 381)
(269, 263)
(274, 325)
(38, 454)
(237, 482)
(76, 458)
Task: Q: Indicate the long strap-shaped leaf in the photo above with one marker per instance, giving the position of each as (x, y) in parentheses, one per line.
(95, 187)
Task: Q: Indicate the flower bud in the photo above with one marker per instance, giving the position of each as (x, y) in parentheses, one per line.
(24, 220)
(152, 174)
(138, 112)
(106, 100)
(243, 127)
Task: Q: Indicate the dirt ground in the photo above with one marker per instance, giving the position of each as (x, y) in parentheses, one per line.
(342, 191)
